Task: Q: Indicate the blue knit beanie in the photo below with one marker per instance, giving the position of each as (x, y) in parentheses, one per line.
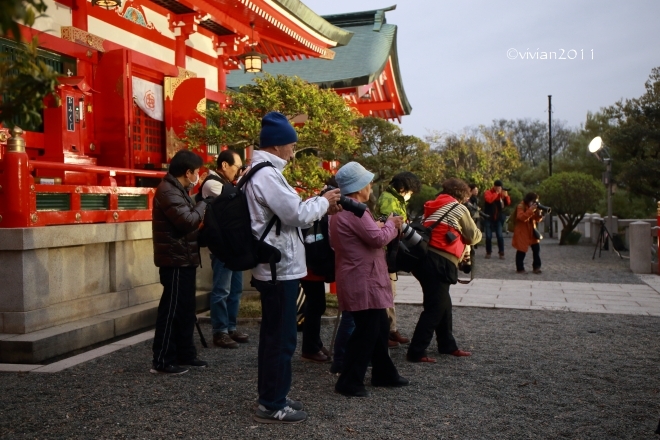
(352, 177)
(276, 130)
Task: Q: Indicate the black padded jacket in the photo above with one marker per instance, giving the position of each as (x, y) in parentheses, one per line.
(175, 223)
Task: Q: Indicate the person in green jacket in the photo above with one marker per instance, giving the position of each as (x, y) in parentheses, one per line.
(395, 200)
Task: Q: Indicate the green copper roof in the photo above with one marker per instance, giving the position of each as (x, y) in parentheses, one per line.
(358, 63)
(316, 22)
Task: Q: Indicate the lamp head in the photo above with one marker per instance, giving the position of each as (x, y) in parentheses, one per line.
(596, 144)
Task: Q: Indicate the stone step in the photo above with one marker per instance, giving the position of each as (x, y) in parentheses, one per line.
(34, 347)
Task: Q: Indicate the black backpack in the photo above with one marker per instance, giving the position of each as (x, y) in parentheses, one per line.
(319, 256)
(227, 229)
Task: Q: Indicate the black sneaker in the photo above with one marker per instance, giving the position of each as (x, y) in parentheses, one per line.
(284, 415)
(172, 370)
(197, 362)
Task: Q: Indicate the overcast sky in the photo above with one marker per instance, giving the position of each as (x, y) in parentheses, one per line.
(463, 63)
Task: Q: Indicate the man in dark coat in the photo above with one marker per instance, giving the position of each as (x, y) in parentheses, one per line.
(175, 222)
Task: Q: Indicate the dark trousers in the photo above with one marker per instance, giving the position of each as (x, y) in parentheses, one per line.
(344, 332)
(314, 310)
(490, 227)
(536, 255)
(277, 340)
(175, 324)
(435, 276)
(367, 343)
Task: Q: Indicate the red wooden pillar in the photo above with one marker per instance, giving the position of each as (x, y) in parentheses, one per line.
(183, 26)
(79, 15)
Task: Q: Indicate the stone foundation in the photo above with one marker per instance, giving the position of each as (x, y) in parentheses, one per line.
(79, 284)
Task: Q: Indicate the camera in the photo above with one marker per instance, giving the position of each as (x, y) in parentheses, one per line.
(348, 204)
(547, 209)
(506, 189)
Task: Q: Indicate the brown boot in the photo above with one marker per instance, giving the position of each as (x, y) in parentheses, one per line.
(393, 344)
(396, 336)
(502, 256)
(223, 340)
(316, 357)
(239, 337)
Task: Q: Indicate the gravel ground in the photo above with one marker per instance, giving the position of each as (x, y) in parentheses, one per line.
(533, 374)
(559, 263)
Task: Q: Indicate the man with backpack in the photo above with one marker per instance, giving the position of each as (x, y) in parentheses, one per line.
(269, 195)
(227, 284)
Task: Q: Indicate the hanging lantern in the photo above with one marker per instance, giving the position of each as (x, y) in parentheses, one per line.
(107, 4)
(252, 60)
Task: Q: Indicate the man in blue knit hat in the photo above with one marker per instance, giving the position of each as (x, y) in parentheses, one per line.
(269, 195)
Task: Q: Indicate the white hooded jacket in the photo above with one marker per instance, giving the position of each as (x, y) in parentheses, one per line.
(268, 194)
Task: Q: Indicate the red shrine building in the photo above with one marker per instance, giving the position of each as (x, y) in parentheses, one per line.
(133, 73)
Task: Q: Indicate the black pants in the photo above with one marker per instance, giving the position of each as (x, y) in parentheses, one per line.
(367, 343)
(536, 262)
(175, 324)
(314, 310)
(435, 276)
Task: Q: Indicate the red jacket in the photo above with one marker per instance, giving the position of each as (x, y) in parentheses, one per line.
(494, 204)
(450, 223)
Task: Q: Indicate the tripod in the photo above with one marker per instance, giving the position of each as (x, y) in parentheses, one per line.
(603, 236)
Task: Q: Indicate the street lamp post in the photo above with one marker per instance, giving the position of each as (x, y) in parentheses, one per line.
(596, 145)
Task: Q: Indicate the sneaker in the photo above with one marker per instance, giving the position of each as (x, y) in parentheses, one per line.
(197, 362)
(293, 404)
(396, 336)
(172, 370)
(239, 337)
(284, 415)
(223, 340)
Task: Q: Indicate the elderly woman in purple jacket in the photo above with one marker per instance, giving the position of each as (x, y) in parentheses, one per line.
(363, 286)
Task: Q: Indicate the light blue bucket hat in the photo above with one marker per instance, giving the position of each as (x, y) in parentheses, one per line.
(352, 177)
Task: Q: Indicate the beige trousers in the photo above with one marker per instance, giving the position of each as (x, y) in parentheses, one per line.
(391, 313)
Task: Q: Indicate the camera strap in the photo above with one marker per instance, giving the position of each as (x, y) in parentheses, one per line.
(437, 222)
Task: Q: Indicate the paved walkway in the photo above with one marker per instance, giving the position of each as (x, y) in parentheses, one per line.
(572, 280)
(627, 299)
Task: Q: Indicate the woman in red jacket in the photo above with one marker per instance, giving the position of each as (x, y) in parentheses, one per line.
(524, 237)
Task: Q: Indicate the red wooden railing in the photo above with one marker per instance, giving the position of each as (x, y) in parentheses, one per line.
(24, 203)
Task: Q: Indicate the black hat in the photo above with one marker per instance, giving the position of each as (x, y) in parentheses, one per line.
(498, 183)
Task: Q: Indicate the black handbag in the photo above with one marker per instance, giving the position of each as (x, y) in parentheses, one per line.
(408, 259)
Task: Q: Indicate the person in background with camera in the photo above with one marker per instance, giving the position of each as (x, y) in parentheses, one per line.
(439, 270)
(496, 199)
(525, 234)
(318, 273)
(363, 286)
(394, 200)
(175, 224)
(227, 285)
(269, 194)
